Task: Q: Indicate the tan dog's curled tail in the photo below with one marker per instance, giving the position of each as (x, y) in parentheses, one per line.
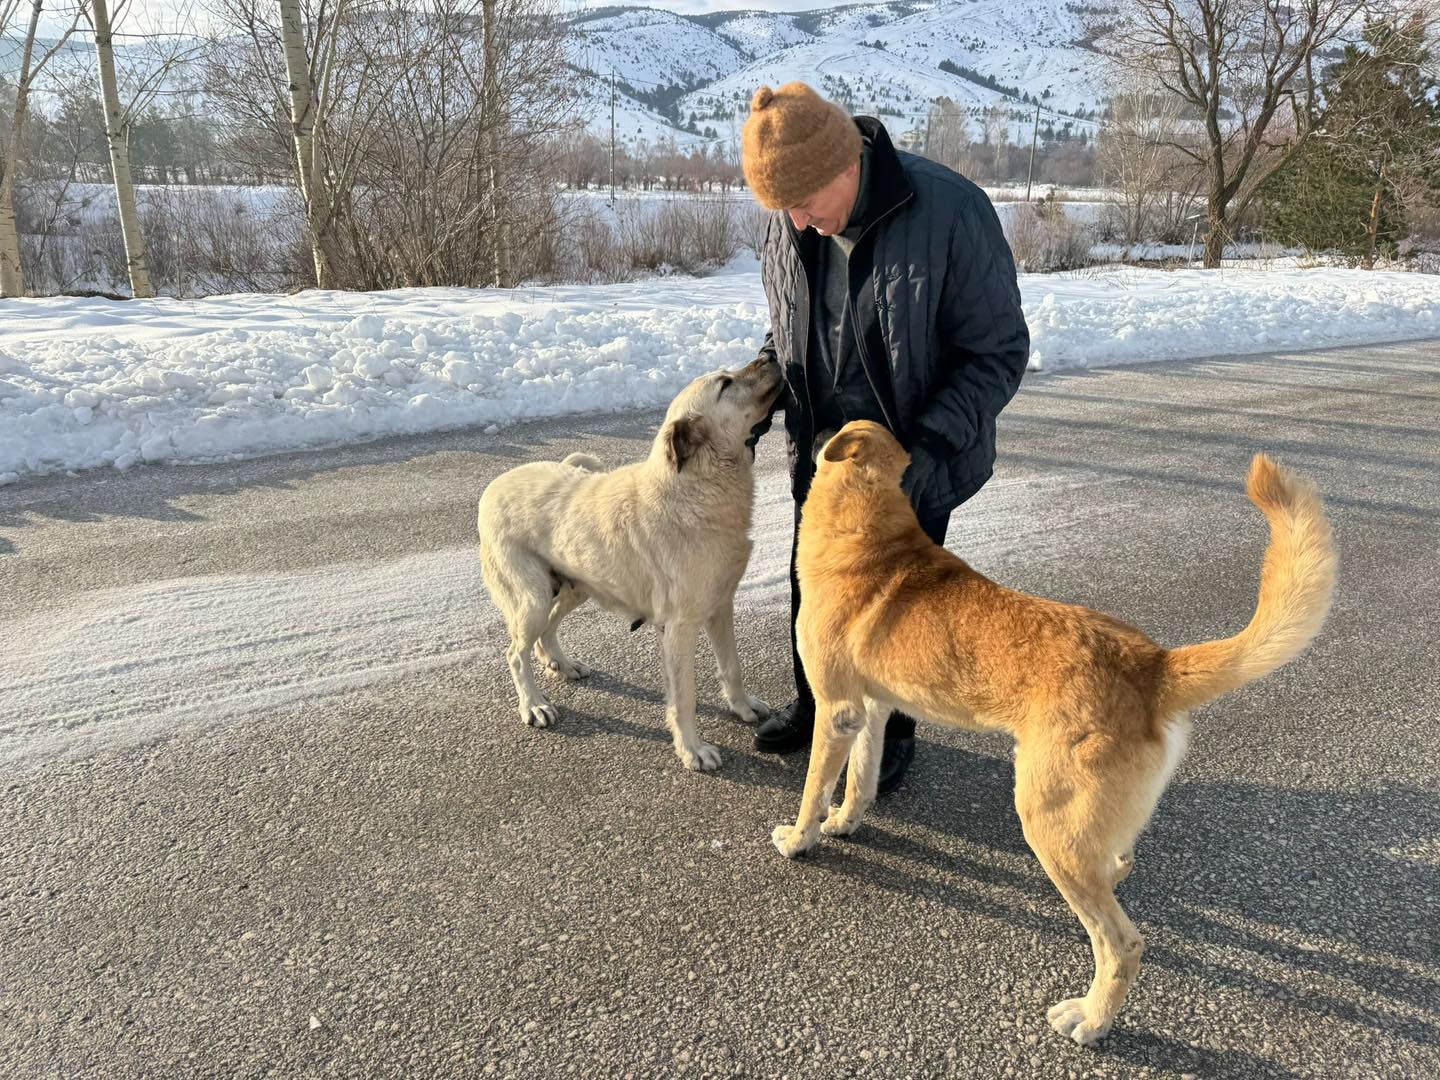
(583, 461)
(1296, 583)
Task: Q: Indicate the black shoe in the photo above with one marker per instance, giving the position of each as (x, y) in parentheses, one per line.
(787, 730)
(894, 763)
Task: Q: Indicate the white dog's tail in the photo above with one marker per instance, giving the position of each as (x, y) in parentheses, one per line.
(1296, 583)
(583, 461)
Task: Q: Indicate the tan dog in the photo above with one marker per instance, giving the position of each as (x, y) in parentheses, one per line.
(663, 541)
(889, 620)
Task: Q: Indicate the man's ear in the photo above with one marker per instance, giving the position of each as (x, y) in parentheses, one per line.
(683, 437)
(848, 445)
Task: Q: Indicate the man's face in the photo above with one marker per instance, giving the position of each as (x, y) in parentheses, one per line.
(828, 210)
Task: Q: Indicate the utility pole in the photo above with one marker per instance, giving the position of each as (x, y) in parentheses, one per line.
(1034, 135)
(612, 136)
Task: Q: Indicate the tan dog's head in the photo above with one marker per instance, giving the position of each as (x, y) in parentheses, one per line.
(708, 423)
(862, 453)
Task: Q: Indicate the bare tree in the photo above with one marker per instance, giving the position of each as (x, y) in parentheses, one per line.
(422, 134)
(464, 171)
(996, 133)
(117, 138)
(947, 135)
(303, 98)
(309, 66)
(1246, 69)
(12, 127)
(490, 34)
(1138, 160)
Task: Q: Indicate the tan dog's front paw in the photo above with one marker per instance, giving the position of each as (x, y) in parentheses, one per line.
(841, 821)
(790, 841)
(1071, 1018)
(699, 756)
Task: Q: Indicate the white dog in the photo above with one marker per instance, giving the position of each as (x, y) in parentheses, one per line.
(664, 541)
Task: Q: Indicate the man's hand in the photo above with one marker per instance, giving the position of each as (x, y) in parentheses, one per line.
(764, 425)
(920, 474)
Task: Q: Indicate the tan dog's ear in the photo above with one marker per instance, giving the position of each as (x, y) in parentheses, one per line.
(684, 437)
(850, 445)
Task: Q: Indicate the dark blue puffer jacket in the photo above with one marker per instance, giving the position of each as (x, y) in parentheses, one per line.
(934, 295)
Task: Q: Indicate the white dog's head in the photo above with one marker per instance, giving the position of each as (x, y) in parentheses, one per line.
(708, 423)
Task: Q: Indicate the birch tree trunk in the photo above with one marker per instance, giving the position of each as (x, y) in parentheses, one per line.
(1372, 226)
(309, 147)
(12, 279)
(492, 121)
(117, 136)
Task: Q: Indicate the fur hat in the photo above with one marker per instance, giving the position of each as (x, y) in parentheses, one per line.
(795, 143)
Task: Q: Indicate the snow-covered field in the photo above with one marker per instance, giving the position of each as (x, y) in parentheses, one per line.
(87, 383)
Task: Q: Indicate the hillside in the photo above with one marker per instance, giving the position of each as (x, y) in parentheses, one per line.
(690, 77)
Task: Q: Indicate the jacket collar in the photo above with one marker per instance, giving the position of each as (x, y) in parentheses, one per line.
(887, 186)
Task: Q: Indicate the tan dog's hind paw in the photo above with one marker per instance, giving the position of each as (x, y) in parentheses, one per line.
(1071, 1018)
(699, 756)
(841, 821)
(790, 841)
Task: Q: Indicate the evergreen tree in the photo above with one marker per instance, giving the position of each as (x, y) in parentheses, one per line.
(1376, 148)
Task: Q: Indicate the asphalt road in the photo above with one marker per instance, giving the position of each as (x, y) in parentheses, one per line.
(372, 869)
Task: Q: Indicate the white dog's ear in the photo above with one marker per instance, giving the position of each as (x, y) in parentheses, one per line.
(683, 438)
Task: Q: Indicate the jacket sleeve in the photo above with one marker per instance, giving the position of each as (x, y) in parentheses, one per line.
(984, 343)
(767, 352)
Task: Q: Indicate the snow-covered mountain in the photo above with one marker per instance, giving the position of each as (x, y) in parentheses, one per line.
(689, 78)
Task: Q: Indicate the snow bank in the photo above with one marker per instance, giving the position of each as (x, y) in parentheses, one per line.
(88, 382)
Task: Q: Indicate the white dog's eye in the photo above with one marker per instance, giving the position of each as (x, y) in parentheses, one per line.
(724, 385)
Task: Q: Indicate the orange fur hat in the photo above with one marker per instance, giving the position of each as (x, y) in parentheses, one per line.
(795, 143)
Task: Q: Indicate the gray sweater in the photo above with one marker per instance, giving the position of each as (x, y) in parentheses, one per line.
(840, 387)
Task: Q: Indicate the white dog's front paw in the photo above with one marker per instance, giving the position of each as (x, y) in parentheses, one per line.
(567, 668)
(790, 841)
(842, 821)
(749, 710)
(540, 715)
(1071, 1018)
(699, 756)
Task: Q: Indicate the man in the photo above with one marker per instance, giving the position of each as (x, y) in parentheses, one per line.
(892, 298)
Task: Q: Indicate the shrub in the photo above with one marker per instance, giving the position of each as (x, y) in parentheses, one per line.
(1042, 238)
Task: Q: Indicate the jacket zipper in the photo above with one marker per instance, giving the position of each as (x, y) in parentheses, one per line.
(803, 310)
(855, 324)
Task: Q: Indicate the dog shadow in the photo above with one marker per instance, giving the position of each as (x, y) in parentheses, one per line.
(1315, 881)
(646, 723)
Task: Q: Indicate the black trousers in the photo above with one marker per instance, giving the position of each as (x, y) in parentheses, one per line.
(899, 726)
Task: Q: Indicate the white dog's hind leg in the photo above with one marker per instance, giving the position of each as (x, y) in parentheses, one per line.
(677, 646)
(520, 586)
(549, 650)
(863, 777)
(720, 628)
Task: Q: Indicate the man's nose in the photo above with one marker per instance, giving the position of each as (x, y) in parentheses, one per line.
(799, 219)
